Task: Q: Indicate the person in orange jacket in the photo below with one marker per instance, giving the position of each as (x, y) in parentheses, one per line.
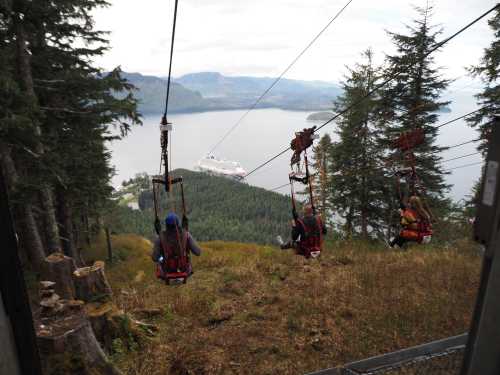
(415, 222)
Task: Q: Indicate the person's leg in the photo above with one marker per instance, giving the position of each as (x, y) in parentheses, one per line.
(286, 246)
(398, 241)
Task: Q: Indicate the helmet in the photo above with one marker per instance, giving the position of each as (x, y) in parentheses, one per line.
(172, 220)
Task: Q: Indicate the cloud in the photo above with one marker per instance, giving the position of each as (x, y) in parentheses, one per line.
(261, 37)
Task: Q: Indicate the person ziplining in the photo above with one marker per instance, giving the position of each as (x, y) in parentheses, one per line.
(415, 215)
(173, 246)
(307, 231)
(172, 249)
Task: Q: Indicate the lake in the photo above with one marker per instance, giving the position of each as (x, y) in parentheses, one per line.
(262, 134)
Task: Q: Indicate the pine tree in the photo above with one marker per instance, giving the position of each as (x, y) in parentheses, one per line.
(489, 71)
(321, 166)
(16, 131)
(64, 116)
(356, 182)
(414, 97)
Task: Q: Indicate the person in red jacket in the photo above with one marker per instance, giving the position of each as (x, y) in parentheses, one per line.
(307, 234)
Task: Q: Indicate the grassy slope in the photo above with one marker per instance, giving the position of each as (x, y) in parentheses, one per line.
(256, 310)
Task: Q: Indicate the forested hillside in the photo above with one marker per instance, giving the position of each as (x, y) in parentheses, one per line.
(201, 92)
(218, 209)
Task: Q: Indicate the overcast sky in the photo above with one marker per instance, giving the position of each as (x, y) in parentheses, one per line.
(260, 37)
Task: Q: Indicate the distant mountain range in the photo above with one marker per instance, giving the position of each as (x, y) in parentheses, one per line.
(201, 92)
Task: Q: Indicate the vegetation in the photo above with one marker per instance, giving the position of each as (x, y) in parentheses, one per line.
(356, 183)
(489, 71)
(361, 165)
(218, 208)
(259, 310)
(57, 111)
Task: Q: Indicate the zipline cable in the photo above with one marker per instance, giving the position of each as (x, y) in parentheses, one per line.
(461, 117)
(463, 166)
(379, 86)
(280, 187)
(171, 59)
(445, 148)
(252, 107)
(461, 157)
(432, 152)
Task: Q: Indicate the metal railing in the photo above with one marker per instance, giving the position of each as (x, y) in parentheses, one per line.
(442, 357)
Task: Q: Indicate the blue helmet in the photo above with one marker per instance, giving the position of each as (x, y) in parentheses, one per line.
(172, 220)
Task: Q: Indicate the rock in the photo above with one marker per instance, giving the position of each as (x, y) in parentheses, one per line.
(50, 302)
(47, 284)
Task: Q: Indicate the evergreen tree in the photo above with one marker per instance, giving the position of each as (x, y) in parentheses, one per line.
(68, 110)
(320, 180)
(356, 182)
(414, 97)
(489, 71)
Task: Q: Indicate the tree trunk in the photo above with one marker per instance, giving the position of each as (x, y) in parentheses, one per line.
(49, 218)
(68, 345)
(65, 218)
(23, 213)
(109, 245)
(348, 224)
(59, 269)
(26, 78)
(91, 283)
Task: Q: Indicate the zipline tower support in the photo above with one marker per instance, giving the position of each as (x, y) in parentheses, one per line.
(482, 354)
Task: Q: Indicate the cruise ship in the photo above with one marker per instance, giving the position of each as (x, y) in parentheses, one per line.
(212, 165)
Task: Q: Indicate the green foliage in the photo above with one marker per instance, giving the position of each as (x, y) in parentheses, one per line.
(361, 166)
(355, 172)
(489, 71)
(218, 209)
(414, 99)
(60, 110)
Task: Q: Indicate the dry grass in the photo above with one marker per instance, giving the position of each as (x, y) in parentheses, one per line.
(257, 310)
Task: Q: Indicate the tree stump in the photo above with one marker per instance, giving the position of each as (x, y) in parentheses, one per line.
(65, 338)
(91, 284)
(68, 345)
(59, 269)
(110, 323)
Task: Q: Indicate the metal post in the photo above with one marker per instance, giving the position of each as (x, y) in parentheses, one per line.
(482, 355)
(18, 349)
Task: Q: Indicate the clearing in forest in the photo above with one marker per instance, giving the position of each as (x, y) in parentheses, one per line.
(252, 309)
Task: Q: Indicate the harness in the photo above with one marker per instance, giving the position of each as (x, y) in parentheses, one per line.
(419, 229)
(415, 228)
(176, 265)
(302, 141)
(310, 245)
(311, 242)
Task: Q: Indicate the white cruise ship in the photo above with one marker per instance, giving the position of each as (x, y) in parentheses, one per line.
(226, 168)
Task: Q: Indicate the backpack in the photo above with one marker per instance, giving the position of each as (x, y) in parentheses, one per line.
(310, 245)
(176, 265)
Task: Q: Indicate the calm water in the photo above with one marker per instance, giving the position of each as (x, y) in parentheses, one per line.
(261, 135)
